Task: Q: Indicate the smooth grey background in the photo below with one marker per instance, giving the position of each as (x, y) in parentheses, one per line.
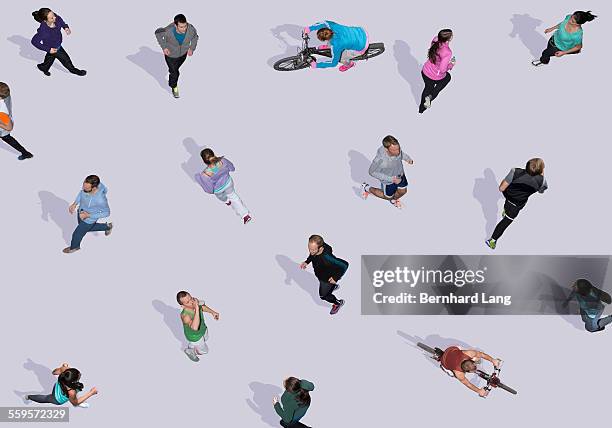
(301, 143)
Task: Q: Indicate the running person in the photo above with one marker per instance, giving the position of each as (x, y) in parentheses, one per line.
(65, 389)
(567, 39)
(194, 327)
(216, 179)
(591, 300)
(328, 270)
(48, 38)
(435, 73)
(388, 168)
(345, 43)
(460, 362)
(516, 187)
(294, 402)
(7, 124)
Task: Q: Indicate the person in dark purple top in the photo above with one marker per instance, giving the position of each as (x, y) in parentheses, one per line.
(48, 38)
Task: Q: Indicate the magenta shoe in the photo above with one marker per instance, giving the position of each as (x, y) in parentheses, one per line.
(323, 47)
(347, 67)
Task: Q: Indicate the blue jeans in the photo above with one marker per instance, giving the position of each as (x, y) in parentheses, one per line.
(82, 229)
(597, 323)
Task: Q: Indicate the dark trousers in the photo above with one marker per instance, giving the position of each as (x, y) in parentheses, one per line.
(82, 229)
(296, 424)
(46, 399)
(510, 212)
(173, 68)
(63, 57)
(326, 292)
(550, 51)
(8, 139)
(432, 88)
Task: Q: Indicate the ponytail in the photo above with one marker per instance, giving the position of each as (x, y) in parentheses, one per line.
(581, 17)
(209, 158)
(443, 37)
(69, 379)
(41, 14)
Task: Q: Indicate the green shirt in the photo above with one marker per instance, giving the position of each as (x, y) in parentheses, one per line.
(564, 40)
(191, 334)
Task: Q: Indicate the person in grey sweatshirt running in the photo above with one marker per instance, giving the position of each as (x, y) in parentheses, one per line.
(388, 168)
(178, 40)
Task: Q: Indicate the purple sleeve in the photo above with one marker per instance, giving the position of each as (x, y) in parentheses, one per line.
(230, 165)
(205, 183)
(60, 22)
(39, 42)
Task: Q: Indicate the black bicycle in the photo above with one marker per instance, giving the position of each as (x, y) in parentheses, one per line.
(305, 56)
(493, 380)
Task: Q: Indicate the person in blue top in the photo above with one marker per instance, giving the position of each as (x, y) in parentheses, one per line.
(92, 205)
(65, 389)
(567, 38)
(591, 300)
(345, 43)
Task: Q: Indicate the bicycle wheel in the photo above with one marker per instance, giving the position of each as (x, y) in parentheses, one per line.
(426, 348)
(374, 49)
(506, 388)
(291, 63)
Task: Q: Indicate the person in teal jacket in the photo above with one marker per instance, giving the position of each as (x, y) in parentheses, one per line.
(345, 43)
(294, 402)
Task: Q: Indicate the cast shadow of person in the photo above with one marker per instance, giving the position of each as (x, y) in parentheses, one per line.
(409, 69)
(55, 209)
(172, 318)
(45, 378)
(486, 192)
(558, 300)
(305, 280)
(194, 164)
(153, 62)
(525, 27)
(28, 51)
(360, 165)
(262, 402)
(290, 36)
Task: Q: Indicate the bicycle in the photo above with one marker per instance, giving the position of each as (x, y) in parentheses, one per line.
(305, 56)
(493, 380)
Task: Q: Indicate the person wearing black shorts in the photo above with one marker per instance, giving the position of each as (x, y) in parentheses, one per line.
(516, 187)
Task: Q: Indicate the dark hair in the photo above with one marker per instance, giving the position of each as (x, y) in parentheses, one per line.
(390, 140)
(443, 37)
(5, 91)
(180, 19)
(94, 180)
(582, 17)
(293, 384)
(534, 166)
(180, 295)
(584, 287)
(209, 158)
(69, 379)
(317, 239)
(324, 34)
(467, 365)
(40, 15)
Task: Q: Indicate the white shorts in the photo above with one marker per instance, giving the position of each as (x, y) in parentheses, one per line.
(200, 346)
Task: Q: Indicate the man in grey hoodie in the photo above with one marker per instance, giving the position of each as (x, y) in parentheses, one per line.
(388, 168)
(178, 41)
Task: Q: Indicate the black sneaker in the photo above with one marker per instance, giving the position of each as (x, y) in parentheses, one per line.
(25, 156)
(336, 308)
(45, 72)
(79, 72)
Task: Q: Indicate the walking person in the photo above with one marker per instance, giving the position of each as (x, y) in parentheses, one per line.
(66, 389)
(387, 167)
(6, 122)
(91, 206)
(591, 300)
(328, 270)
(294, 402)
(567, 38)
(344, 42)
(216, 179)
(194, 327)
(517, 187)
(178, 40)
(435, 73)
(48, 38)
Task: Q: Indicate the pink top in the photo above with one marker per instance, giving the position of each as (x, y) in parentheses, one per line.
(443, 63)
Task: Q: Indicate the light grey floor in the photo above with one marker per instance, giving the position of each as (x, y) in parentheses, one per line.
(301, 143)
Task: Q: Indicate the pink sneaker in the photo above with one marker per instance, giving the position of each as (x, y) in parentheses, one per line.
(347, 67)
(323, 47)
(247, 218)
(396, 203)
(364, 191)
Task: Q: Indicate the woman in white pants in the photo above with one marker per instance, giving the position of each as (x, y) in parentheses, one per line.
(216, 179)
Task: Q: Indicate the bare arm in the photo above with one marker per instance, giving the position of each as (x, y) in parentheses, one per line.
(61, 369)
(214, 313)
(461, 378)
(576, 48)
(503, 186)
(556, 27)
(193, 323)
(75, 400)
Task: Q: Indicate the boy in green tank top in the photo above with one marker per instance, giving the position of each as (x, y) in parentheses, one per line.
(194, 327)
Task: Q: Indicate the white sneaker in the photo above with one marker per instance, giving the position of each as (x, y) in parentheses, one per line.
(536, 63)
(427, 102)
(364, 191)
(396, 203)
(84, 405)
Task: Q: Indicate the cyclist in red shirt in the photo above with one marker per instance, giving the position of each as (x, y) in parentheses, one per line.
(464, 361)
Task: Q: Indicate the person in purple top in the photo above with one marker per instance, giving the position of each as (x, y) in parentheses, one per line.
(216, 179)
(48, 38)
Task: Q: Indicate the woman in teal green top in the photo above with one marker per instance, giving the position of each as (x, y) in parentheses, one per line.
(567, 38)
(294, 402)
(65, 389)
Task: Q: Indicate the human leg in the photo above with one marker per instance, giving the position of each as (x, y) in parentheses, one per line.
(47, 63)
(173, 68)
(426, 94)
(510, 213)
(43, 399)
(11, 141)
(549, 52)
(200, 347)
(326, 292)
(80, 232)
(439, 85)
(64, 58)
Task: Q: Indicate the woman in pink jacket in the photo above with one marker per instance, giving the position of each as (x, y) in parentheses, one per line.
(436, 70)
